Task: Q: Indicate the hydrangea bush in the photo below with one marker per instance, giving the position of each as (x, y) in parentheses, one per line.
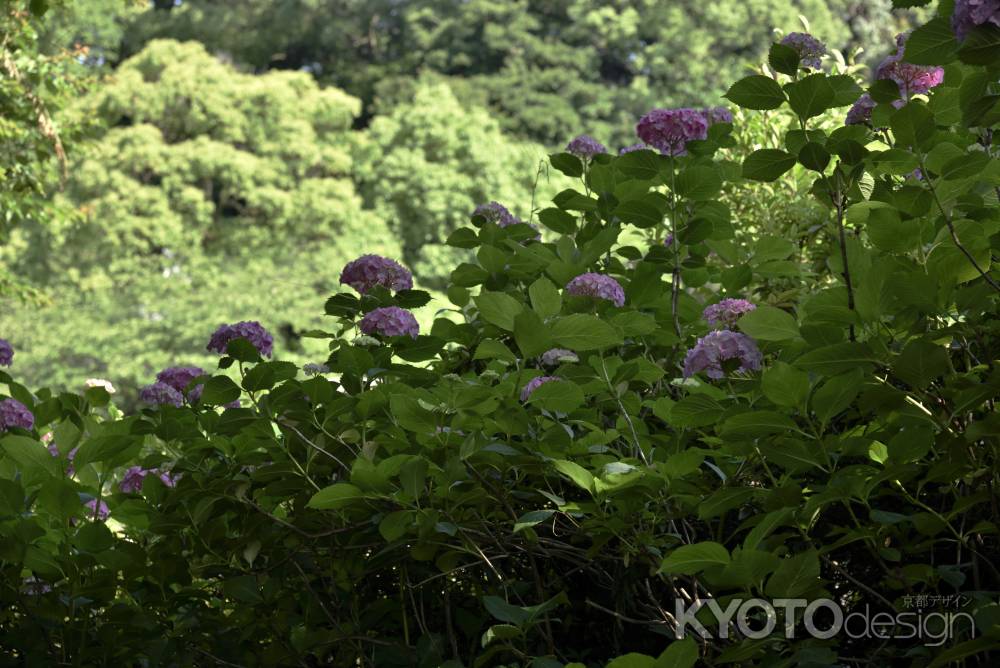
(590, 432)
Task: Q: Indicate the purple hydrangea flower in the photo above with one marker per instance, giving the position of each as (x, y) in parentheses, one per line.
(390, 321)
(497, 213)
(585, 147)
(669, 130)
(718, 115)
(32, 586)
(533, 385)
(556, 356)
(15, 414)
(911, 79)
(861, 111)
(179, 377)
(597, 286)
(668, 241)
(810, 49)
(368, 271)
(160, 393)
(634, 147)
(969, 14)
(6, 353)
(716, 347)
(726, 312)
(132, 480)
(251, 330)
(92, 509)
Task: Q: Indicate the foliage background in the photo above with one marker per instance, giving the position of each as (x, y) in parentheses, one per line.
(223, 145)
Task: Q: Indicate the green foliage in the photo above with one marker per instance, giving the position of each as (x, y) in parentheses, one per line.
(549, 71)
(429, 162)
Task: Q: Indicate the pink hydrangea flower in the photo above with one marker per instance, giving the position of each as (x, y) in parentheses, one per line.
(716, 348)
(369, 271)
(669, 130)
(597, 286)
(390, 321)
(911, 79)
(726, 312)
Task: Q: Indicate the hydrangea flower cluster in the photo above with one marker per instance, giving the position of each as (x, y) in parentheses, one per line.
(251, 330)
(6, 353)
(634, 147)
(668, 241)
(861, 111)
(669, 130)
(390, 321)
(534, 384)
(15, 414)
(159, 394)
(369, 271)
(313, 369)
(556, 356)
(726, 312)
(134, 475)
(179, 377)
(597, 286)
(585, 147)
(715, 348)
(810, 49)
(718, 115)
(969, 14)
(911, 79)
(497, 213)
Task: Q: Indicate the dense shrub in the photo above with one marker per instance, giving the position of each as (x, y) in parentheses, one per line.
(591, 433)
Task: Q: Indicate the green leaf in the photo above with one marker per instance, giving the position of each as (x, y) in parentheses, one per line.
(581, 332)
(795, 576)
(785, 385)
(29, 454)
(756, 92)
(639, 212)
(767, 323)
(679, 654)
(783, 58)
(220, 390)
(532, 518)
(567, 163)
(837, 358)
(695, 410)
(412, 476)
(837, 394)
(932, 43)
(491, 349)
(563, 396)
(920, 363)
(632, 660)
(981, 46)
(963, 166)
(111, 449)
(698, 183)
(557, 220)
(810, 96)
(498, 308)
(757, 423)
(691, 559)
(579, 475)
(767, 164)
(531, 334)
(545, 297)
(340, 495)
(814, 156)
